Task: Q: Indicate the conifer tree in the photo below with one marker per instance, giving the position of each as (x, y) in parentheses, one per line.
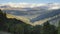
(59, 28)
(48, 28)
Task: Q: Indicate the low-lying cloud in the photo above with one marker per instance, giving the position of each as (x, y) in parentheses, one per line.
(31, 5)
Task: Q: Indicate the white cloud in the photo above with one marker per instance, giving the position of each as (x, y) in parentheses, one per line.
(22, 5)
(32, 5)
(54, 6)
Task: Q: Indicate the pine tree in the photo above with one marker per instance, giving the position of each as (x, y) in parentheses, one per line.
(37, 29)
(2, 19)
(59, 28)
(48, 28)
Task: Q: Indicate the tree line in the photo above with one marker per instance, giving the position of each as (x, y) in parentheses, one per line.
(15, 26)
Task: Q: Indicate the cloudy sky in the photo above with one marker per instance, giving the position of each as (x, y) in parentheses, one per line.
(30, 1)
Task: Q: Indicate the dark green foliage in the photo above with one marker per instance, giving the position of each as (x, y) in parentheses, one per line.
(36, 29)
(59, 28)
(27, 29)
(48, 28)
(2, 19)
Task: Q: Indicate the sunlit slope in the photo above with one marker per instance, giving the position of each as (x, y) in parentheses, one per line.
(24, 19)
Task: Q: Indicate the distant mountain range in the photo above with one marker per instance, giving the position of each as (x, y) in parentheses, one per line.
(47, 15)
(36, 14)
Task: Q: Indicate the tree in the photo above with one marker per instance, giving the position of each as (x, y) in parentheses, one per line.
(48, 28)
(36, 29)
(27, 28)
(59, 28)
(2, 19)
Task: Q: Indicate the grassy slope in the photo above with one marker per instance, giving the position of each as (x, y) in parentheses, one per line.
(24, 19)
